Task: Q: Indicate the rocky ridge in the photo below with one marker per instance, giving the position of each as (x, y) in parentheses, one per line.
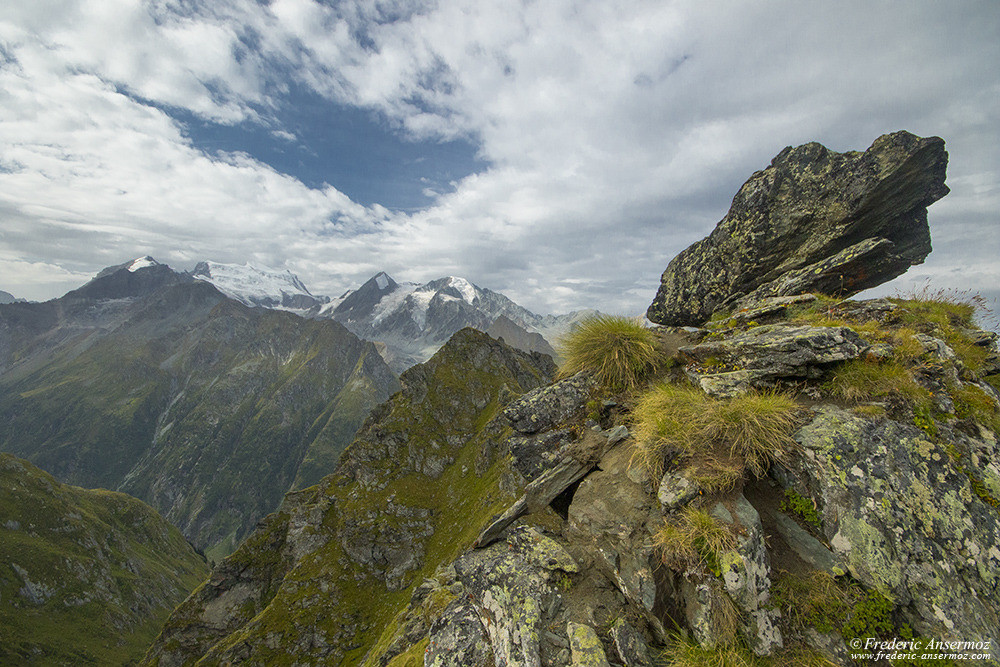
(323, 578)
(890, 494)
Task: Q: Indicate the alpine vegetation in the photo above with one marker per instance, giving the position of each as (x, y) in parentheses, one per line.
(619, 351)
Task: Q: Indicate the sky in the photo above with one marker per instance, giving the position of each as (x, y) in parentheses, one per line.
(558, 151)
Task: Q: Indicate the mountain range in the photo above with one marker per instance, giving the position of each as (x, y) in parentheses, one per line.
(410, 321)
(155, 383)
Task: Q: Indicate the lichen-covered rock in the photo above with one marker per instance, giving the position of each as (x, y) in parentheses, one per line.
(676, 489)
(746, 573)
(813, 221)
(764, 354)
(632, 648)
(512, 587)
(547, 407)
(586, 646)
(906, 519)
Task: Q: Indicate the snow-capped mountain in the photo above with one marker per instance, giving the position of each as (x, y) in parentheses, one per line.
(257, 286)
(414, 320)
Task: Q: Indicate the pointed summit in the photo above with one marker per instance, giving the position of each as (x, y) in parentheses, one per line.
(361, 303)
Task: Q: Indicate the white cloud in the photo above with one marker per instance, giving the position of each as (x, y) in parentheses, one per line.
(617, 133)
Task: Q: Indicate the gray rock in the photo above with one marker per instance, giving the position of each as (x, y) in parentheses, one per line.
(807, 547)
(676, 490)
(547, 407)
(906, 521)
(630, 644)
(813, 221)
(458, 639)
(758, 357)
(746, 574)
(762, 309)
(509, 584)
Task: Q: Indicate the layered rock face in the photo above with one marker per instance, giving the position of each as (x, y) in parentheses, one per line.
(813, 221)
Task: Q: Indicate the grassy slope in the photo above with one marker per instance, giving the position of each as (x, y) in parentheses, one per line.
(104, 569)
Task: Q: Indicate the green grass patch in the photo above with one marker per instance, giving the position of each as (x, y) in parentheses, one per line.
(755, 427)
(862, 380)
(694, 538)
(971, 402)
(802, 507)
(619, 351)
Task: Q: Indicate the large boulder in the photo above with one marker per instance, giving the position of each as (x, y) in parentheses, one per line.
(813, 221)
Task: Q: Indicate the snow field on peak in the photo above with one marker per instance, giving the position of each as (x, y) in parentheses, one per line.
(142, 263)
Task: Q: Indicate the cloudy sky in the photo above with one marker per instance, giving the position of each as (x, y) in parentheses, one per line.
(560, 151)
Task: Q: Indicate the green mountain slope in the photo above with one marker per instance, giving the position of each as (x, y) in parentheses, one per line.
(321, 579)
(208, 410)
(86, 577)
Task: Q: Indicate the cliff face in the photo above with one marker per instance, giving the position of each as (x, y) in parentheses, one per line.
(85, 576)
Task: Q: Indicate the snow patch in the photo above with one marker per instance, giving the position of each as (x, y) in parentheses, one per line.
(381, 281)
(142, 263)
(464, 287)
(253, 285)
(391, 302)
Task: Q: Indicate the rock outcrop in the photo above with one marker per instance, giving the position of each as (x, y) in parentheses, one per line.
(813, 221)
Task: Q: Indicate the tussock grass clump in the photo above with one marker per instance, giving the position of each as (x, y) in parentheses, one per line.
(619, 351)
(861, 380)
(814, 599)
(755, 427)
(945, 313)
(695, 538)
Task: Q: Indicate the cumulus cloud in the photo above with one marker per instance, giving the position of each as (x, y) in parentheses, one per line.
(615, 134)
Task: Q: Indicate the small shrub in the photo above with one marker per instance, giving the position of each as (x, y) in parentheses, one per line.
(619, 351)
(695, 538)
(800, 506)
(755, 428)
(870, 617)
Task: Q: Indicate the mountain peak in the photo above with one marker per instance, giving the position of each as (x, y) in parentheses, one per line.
(142, 263)
(257, 285)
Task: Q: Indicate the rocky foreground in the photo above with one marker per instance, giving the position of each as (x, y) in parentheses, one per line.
(796, 472)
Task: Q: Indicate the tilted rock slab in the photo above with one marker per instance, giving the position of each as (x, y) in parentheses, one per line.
(813, 221)
(759, 356)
